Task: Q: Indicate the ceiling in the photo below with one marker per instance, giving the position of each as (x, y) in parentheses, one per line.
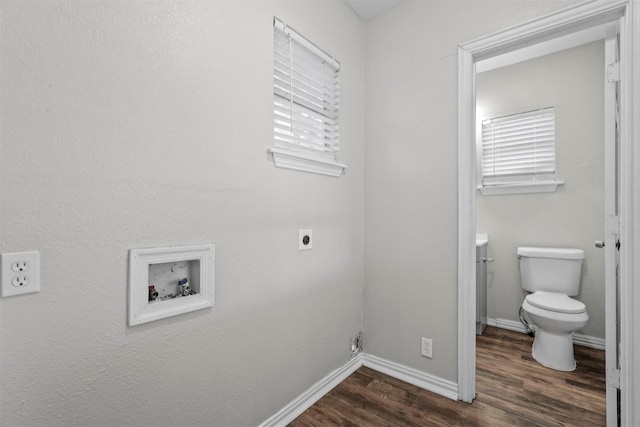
(369, 9)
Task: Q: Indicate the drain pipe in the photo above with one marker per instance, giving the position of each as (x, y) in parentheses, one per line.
(525, 322)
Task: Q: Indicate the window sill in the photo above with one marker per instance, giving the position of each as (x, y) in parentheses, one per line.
(525, 188)
(306, 162)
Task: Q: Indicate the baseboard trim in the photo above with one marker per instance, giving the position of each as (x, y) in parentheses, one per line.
(507, 324)
(578, 339)
(588, 341)
(297, 406)
(413, 376)
(303, 402)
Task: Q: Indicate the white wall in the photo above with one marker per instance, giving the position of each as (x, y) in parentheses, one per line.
(572, 81)
(411, 173)
(141, 124)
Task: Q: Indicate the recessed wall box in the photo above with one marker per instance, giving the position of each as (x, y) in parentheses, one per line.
(165, 282)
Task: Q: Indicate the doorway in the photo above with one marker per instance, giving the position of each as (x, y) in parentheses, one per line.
(566, 88)
(570, 21)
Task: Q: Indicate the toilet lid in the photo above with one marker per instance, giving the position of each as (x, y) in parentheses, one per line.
(557, 302)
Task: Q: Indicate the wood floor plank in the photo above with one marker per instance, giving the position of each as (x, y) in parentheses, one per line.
(512, 389)
(486, 415)
(380, 404)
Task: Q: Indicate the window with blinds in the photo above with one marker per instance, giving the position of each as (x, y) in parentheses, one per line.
(519, 149)
(306, 89)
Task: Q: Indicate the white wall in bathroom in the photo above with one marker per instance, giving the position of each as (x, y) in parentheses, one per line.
(573, 82)
(411, 191)
(146, 124)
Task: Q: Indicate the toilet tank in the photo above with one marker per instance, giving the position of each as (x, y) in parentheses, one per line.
(550, 269)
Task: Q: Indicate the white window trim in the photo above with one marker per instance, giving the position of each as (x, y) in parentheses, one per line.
(291, 157)
(523, 188)
(307, 163)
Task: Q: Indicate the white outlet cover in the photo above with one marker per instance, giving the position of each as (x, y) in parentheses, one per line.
(302, 246)
(20, 273)
(427, 347)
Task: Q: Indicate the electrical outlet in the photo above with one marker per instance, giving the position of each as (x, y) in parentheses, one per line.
(427, 347)
(305, 241)
(20, 273)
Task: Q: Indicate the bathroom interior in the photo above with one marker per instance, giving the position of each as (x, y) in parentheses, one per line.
(138, 125)
(572, 216)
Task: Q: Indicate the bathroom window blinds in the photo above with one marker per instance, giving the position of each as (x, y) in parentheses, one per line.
(519, 148)
(306, 89)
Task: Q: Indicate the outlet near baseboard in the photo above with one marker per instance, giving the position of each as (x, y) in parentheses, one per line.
(427, 347)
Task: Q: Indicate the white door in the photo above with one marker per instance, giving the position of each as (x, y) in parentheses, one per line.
(612, 225)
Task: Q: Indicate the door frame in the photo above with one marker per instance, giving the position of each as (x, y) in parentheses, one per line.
(611, 224)
(570, 20)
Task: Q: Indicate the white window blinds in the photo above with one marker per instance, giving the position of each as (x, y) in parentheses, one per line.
(519, 148)
(306, 90)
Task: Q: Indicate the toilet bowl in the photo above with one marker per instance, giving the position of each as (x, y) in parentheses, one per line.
(554, 318)
(552, 276)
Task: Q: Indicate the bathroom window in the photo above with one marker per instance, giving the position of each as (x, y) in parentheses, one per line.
(306, 92)
(519, 154)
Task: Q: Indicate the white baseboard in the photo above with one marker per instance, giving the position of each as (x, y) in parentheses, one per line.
(297, 406)
(413, 376)
(303, 402)
(507, 324)
(578, 339)
(588, 341)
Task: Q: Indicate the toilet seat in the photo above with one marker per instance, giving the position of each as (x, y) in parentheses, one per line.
(557, 302)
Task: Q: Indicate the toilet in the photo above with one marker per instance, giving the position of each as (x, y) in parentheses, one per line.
(552, 276)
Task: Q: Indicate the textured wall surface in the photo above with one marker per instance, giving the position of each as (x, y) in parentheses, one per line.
(573, 82)
(146, 124)
(143, 124)
(411, 173)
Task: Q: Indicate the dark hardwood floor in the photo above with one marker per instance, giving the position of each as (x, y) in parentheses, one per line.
(512, 389)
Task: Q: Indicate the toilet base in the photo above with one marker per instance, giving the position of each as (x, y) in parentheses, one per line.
(554, 351)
